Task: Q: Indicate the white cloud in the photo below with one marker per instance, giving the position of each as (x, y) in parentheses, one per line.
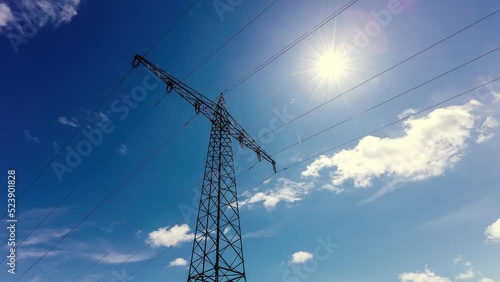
(301, 257)
(42, 236)
(110, 227)
(493, 232)
(497, 97)
(470, 273)
(426, 276)
(284, 190)
(484, 130)
(430, 146)
(406, 113)
(68, 121)
(169, 237)
(36, 279)
(6, 15)
(458, 259)
(122, 149)
(178, 262)
(24, 253)
(30, 138)
(486, 280)
(118, 258)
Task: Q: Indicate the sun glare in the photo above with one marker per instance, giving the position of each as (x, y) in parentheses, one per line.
(332, 65)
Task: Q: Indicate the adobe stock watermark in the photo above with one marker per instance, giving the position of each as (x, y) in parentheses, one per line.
(265, 135)
(121, 276)
(94, 136)
(223, 6)
(302, 271)
(362, 37)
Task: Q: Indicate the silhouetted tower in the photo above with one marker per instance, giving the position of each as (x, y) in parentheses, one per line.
(217, 248)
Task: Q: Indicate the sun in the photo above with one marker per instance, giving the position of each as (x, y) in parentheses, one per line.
(332, 65)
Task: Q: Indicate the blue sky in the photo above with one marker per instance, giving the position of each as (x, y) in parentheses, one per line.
(416, 201)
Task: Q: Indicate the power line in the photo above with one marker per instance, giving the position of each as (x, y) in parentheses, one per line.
(117, 188)
(379, 74)
(290, 46)
(379, 129)
(387, 101)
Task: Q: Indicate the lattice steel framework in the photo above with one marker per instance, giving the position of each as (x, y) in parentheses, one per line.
(217, 248)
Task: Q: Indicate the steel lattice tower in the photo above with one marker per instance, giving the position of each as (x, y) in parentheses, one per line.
(217, 249)
(217, 254)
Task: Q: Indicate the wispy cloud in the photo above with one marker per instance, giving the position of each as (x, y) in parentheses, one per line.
(25, 253)
(485, 132)
(37, 14)
(30, 138)
(71, 121)
(466, 214)
(42, 236)
(118, 258)
(170, 237)
(122, 149)
(110, 227)
(263, 233)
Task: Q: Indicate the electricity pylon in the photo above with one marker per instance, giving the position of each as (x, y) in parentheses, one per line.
(217, 248)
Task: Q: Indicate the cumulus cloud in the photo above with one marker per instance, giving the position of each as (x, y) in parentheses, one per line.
(429, 146)
(485, 279)
(284, 190)
(170, 237)
(178, 262)
(493, 232)
(301, 257)
(426, 276)
(29, 137)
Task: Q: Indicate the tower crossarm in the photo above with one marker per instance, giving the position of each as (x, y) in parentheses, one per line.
(207, 107)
